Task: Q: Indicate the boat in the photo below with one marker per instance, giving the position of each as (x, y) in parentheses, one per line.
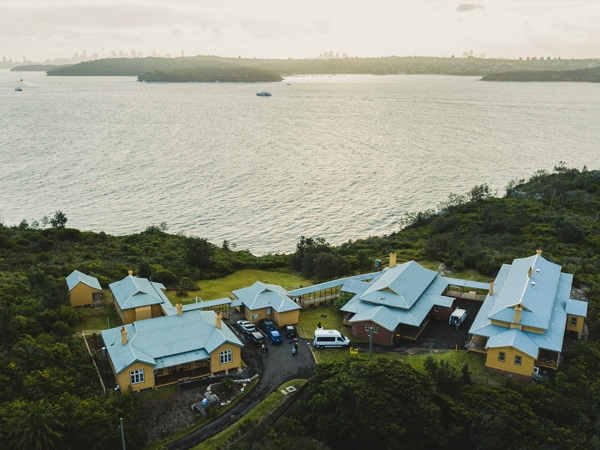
(263, 94)
(18, 89)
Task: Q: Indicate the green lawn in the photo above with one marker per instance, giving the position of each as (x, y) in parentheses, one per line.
(222, 287)
(98, 319)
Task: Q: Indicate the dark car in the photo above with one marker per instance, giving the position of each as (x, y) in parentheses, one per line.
(256, 338)
(290, 332)
(265, 325)
(274, 336)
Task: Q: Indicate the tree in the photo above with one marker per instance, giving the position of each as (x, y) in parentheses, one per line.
(198, 252)
(59, 220)
(35, 426)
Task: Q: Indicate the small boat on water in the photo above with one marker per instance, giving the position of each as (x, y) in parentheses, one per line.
(18, 89)
(263, 94)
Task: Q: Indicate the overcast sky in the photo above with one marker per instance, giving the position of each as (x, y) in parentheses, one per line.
(48, 29)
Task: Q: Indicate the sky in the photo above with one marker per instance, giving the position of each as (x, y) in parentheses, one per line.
(40, 30)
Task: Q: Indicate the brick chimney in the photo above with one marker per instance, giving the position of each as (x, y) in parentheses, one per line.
(518, 309)
(529, 272)
(123, 336)
(130, 272)
(491, 287)
(179, 309)
(539, 251)
(218, 320)
(393, 259)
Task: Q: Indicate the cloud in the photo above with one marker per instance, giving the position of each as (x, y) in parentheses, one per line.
(465, 7)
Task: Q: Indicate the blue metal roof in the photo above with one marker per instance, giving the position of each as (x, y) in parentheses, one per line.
(77, 277)
(400, 286)
(544, 297)
(577, 307)
(406, 293)
(133, 292)
(168, 340)
(332, 284)
(205, 304)
(261, 295)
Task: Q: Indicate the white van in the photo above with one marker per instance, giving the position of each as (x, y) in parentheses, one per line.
(330, 338)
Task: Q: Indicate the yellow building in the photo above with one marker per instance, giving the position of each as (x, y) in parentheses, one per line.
(267, 301)
(83, 289)
(139, 299)
(522, 322)
(165, 350)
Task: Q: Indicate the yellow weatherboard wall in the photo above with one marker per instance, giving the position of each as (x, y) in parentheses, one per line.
(525, 368)
(82, 295)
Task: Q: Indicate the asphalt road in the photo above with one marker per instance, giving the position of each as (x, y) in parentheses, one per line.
(274, 370)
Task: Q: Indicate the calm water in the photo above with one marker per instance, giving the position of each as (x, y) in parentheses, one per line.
(337, 157)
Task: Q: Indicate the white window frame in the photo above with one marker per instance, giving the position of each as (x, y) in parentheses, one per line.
(136, 376)
(573, 321)
(225, 357)
(501, 356)
(518, 360)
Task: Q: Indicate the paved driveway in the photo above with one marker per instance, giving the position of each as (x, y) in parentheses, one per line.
(274, 370)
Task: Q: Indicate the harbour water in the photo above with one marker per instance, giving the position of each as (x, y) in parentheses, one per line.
(338, 157)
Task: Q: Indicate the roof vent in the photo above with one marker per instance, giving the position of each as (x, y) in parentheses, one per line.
(533, 284)
(537, 271)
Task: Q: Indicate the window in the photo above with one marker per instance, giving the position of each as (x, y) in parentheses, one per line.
(517, 360)
(136, 376)
(158, 372)
(501, 356)
(225, 357)
(368, 329)
(186, 367)
(375, 329)
(573, 321)
(436, 308)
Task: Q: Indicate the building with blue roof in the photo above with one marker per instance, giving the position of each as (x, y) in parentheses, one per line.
(82, 288)
(169, 349)
(523, 320)
(399, 302)
(267, 301)
(139, 298)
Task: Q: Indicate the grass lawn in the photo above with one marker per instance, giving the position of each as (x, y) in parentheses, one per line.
(98, 319)
(222, 287)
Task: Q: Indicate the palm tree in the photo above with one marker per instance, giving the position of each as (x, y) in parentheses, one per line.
(35, 426)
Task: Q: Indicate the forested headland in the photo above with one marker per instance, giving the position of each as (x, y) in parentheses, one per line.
(391, 65)
(51, 396)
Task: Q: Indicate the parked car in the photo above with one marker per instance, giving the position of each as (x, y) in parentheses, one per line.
(256, 338)
(265, 325)
(290, 332)
(245, 326)
(274, 336)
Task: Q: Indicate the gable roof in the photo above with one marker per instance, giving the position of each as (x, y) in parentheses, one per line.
(77, 277)
(403, 294)
(168, 340)
(133, 292)
(544, 298)
(260, 296)
(534, 294)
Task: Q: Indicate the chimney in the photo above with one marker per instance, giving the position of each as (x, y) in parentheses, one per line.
(130, 272)
(179, 309)
(491, 287)
(539, 251)
(529, 272)
(218, 321)
(123, 336)
(393, 259)
(518, 309)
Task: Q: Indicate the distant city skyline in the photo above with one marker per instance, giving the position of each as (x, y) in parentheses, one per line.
(34, 30)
